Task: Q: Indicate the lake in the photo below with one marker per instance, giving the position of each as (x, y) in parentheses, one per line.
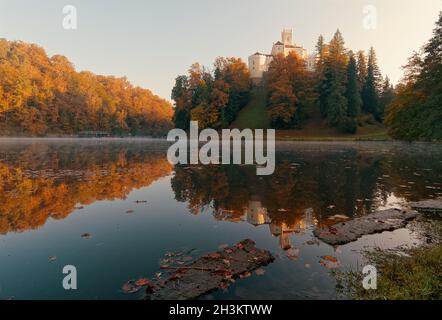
(114, 209)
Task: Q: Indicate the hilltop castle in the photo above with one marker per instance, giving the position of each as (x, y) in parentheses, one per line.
(259, 62)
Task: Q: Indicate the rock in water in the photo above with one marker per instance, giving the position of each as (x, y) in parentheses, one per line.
(428, 206)
(345, 232)
(211, 272)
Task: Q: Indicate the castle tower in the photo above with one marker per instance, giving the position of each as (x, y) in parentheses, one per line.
(287, 36)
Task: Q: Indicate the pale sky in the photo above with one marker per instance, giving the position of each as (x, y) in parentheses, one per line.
(151, 42)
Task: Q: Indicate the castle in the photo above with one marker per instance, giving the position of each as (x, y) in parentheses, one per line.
(260, 62)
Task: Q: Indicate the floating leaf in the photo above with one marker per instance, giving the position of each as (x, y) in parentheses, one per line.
(130, 287)
(293, 254)
(86, 235)
(330, 258)
(142, 282)
(260, 272)
(52, 258)
(329, 262)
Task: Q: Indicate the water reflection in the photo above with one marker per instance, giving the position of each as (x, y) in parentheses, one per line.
(192, 207)
(42, 181)
(310, 186)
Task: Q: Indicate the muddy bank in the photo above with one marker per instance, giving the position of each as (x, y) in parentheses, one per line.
(211, 272)
(349, 231)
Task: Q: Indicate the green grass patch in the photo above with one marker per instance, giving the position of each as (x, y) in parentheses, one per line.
(254, 115)
(414, 276)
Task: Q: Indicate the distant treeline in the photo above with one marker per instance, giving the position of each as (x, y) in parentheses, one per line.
(416, 113)
(42, 95)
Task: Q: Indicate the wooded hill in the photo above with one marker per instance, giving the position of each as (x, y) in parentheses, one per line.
(346, 91)
(42, 95)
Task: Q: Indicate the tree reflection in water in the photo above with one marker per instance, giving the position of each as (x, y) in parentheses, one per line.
(308, 188)
(44, 181)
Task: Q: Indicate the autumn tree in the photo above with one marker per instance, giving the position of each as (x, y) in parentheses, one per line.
(290, 90)
(42, 95)
(211, 98)
(416, 112)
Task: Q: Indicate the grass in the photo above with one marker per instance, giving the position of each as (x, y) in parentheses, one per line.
(254, 114)
(414, 276)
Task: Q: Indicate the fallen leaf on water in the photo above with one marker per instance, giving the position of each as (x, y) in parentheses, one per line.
(313, 242)
(142, 282)
(130, 287)
(260, 272)
(86, 235)
(330, 258)
(308, 266)
(141, 201)
(130, 211)
(329, 262)
(292, 254)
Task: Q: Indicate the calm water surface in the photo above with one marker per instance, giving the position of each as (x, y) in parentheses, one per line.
(137, 207)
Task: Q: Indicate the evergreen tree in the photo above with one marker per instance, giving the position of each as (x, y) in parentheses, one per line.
(321, 53)
(387, 95)
(362, 69)
(371, 88)
(353, 93)
(333, 86)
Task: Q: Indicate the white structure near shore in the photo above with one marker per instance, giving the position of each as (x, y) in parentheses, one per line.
(259, 62)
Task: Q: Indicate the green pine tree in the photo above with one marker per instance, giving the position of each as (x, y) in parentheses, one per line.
(353, 93)
(362, 69)
(371, 88)
(333, 86)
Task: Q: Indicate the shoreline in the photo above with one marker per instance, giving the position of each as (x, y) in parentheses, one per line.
(163, 139)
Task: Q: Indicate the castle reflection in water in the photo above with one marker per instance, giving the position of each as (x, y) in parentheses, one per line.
(256, 215)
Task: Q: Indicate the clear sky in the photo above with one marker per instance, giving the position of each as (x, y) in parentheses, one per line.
(152, 41)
